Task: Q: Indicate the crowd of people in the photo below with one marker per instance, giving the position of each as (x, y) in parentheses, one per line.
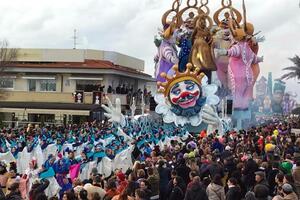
(130, 92)
(260, 163)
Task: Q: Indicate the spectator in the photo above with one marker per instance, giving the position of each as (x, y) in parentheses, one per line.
(271, 176)
(42, 196)
(279, 183)
(111, 190)
(177, 193)
(234, 191)
(144, 185)
(2, 195)
(153, 179)
(83, 194)
(288, 193)
(140, 195)
(215, 190)
(191, 176)
(183, 171)
(92, 189)
(38, 187)
(288, 178)
(69, 195)
(13, 192)
(109, 89)
(260, 178)
(122, 182)
(165, 176)
(261, 192)
(195, 190)
(296, 177)
(249, 172)
(125, 195)
(123, 89)
(118, 89)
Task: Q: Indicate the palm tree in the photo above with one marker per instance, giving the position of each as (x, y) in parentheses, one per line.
(294, 70)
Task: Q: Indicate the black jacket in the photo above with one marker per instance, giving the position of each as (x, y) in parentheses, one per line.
(2, 195)
(183, 171)
(14, 196)
(38, 188)
(234, 193)
(196, 192)
(249, 173)
(176, 194)
(271, 179)
(215, 168)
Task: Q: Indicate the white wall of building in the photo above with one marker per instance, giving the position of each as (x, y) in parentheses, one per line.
(21, 84)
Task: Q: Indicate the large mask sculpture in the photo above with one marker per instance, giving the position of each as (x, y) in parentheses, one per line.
(201, 51)
(223, 39)
(186, 98)
(167, 56)
(288, 103)
(278, 93)
(241, 59)
(167, 53)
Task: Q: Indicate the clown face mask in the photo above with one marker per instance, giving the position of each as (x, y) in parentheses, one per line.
(185, 94)
(186, 98)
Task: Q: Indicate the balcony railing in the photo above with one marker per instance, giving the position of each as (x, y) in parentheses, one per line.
(56, 97)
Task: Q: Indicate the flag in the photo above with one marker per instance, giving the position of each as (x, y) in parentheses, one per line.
(49, 173)
(74, 171)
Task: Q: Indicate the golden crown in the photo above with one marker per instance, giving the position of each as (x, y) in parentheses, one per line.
(196, 76)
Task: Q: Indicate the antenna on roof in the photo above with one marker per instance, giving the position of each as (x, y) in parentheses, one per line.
(75, 39)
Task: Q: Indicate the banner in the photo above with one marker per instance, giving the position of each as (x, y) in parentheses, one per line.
(74, 171)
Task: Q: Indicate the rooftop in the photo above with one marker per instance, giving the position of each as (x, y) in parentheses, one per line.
(62, 60)
(87, 64)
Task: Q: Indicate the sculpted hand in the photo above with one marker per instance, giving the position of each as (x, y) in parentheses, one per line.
(114, 114)
(259, 39)
(220, 52)
(260, 59)
(209, 116)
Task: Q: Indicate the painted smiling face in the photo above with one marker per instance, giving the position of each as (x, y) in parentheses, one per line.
(185, 94)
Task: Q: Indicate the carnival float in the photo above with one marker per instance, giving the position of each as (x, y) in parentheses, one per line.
(193, 46)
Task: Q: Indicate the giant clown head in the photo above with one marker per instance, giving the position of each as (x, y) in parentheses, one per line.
(183, 91)
(185, 94)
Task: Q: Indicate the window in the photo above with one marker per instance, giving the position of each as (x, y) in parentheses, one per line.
(43, 85)
(47, 85)
(6, 83)
(31, 85)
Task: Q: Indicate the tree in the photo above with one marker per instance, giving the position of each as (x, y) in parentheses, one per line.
(7, 57)
(294, 70)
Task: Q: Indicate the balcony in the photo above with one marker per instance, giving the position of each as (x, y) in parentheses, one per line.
(54, 97)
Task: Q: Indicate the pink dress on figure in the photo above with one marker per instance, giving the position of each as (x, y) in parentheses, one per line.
(241, 57)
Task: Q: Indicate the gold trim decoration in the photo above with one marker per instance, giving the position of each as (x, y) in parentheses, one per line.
(196, 76)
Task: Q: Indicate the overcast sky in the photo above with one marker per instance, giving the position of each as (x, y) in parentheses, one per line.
(129, 26)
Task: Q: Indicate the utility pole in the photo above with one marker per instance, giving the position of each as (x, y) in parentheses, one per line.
(75, 39)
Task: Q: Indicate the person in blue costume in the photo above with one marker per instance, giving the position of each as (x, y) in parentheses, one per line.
(71, 156)
(66, 186)
(49, 162)
(99, 152)
(84, 160)
(15, 151)
(185, 43)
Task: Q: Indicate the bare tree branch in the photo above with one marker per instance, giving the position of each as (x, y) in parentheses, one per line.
(7, 57)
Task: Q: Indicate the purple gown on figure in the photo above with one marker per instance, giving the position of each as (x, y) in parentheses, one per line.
(166, 59)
